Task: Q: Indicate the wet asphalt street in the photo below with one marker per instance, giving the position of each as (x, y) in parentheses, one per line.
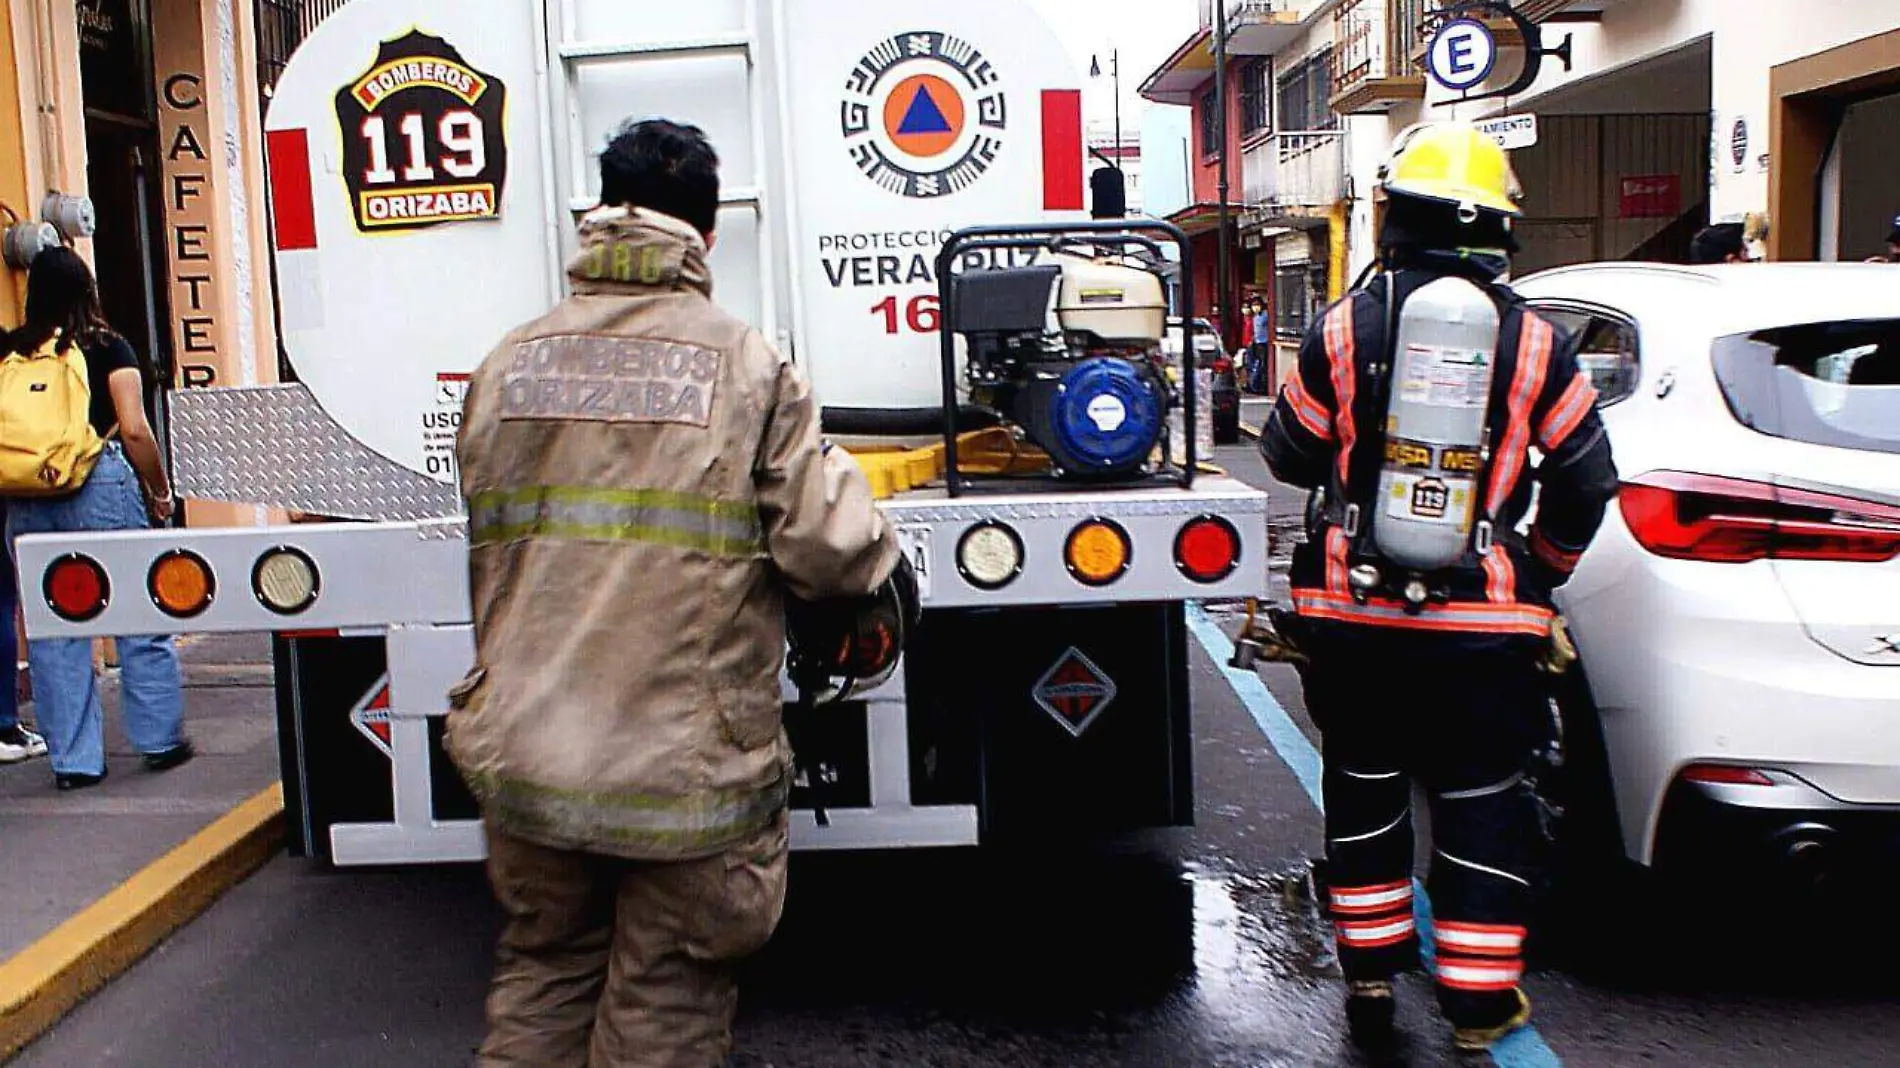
(1188, 948)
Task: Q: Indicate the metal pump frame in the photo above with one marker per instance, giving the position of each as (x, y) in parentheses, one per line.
(1047, 235)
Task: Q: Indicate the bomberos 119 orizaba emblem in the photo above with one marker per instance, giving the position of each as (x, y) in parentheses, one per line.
(924, 114)
(423, 138)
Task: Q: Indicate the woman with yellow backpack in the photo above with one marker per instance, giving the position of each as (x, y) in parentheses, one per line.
(78, 454)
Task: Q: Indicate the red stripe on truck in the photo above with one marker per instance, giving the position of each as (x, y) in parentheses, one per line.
(1062, 150)
(293, 208)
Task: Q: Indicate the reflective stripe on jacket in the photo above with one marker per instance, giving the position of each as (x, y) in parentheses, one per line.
(645, 481)
(1324, 429)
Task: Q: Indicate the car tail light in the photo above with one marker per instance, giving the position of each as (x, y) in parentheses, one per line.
(1725, 775)
(285, 581)
(181, 584)
(1732, 521)
(1098, 552)
(1207, 549)
(77, 589)
(1223, 365)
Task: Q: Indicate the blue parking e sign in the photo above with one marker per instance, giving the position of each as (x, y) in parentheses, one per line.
(1463, 54)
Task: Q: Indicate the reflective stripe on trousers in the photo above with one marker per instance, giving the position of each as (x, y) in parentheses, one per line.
(655, 825)
(725, 528)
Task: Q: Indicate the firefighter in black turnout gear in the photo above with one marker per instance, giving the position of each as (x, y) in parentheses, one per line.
(1421, 611)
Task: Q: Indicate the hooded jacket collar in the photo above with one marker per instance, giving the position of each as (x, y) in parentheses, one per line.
(631, 251)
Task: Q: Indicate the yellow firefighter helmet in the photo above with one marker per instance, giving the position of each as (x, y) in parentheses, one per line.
(1452, 163)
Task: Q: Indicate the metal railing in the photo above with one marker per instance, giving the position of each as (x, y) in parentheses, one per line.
(1296, 168)
(281, 27)
(1377, 39)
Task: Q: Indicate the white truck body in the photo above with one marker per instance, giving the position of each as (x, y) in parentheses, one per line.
(410, 237)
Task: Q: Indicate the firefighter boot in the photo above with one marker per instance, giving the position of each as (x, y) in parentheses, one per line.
(1481, 1039)
(1371, 1009)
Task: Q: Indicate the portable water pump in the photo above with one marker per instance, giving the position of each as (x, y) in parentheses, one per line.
(1069, 349)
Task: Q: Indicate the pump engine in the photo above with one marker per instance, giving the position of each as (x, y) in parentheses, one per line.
(1069, 350)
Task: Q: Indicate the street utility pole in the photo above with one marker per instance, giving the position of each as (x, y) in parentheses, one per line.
(1222, 276)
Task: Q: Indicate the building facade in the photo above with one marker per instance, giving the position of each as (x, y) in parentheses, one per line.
(1285, 158)
(1671, 115)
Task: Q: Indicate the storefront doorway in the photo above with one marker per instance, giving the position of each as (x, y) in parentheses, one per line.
(1860, 182)
(122, 152)
(1830, 169)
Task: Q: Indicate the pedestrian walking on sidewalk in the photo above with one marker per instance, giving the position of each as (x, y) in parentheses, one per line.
(17, 743)
(125, 490)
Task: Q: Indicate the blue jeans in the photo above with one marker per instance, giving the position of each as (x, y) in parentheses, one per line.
(65, 689)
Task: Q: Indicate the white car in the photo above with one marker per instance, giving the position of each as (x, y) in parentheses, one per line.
(1738, 616)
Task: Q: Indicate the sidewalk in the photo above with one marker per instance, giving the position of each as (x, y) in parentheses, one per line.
(60, 852)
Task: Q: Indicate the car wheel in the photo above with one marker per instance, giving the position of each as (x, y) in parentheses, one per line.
(1591, 889)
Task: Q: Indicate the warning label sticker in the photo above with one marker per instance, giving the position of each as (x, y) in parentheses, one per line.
(1445, 377)
(440, 422)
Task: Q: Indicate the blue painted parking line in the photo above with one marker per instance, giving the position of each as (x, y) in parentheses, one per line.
(1523, 1048)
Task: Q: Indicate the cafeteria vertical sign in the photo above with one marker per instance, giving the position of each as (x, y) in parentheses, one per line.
(423, 138)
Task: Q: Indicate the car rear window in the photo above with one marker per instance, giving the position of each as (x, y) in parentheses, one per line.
(1832, 384)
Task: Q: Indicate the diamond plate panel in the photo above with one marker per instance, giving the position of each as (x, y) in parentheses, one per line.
(275, 446)
(1188, 503)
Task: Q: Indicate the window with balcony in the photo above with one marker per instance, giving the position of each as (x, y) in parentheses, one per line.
(1210, 128)
(1256, 113)
(1305, 94)
(1379, 41)
(1299, 299)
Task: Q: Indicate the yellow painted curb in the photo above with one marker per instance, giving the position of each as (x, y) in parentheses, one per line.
(1249, 430)
(45, 980)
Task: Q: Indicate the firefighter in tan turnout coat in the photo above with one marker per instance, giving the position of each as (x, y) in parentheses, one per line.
(646, 485)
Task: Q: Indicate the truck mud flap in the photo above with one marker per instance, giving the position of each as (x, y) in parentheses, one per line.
(1059, 721)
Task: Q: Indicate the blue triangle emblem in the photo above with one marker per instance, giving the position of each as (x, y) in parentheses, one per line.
(924, 116)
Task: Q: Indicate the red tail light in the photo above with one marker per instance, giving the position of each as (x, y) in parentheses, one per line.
(1725, 775)
(1207, 549)
(1223, 365)
(1733, 521)
(76, 588)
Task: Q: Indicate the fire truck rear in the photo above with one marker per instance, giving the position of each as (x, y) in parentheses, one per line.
(903, 213)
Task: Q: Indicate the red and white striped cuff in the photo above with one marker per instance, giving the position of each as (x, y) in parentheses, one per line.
(1480, 976)
(1369, 900)
(1480, 939)
(1372, 934)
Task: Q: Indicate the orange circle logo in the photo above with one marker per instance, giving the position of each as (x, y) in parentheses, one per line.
(923, 116)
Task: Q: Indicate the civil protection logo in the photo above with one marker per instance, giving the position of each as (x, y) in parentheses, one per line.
(924, 114)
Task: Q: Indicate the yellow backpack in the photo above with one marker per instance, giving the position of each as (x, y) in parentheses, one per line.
(47, 442)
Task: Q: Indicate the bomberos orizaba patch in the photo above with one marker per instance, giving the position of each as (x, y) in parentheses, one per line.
(423, 138)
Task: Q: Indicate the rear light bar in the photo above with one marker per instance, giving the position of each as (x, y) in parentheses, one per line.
(181, 584)
(1733, 521)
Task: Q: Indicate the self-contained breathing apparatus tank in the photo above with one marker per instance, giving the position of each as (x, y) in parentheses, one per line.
(1069, 349)
(1437, 442)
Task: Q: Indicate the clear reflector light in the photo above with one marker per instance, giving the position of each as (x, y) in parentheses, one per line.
(285, 581)
(76, 588)
(181, 585)
(990, 556)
